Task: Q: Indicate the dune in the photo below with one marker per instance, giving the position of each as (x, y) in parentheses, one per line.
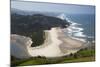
(57, 44)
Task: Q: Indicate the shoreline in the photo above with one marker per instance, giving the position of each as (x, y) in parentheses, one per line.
(55, 45)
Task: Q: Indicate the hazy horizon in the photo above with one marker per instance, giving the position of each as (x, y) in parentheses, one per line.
(52, 7)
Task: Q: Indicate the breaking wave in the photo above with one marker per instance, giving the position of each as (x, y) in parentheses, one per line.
(74, 30)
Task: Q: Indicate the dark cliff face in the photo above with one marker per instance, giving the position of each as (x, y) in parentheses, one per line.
(35, 22)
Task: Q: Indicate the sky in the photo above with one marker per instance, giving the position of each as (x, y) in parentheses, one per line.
(51, 7)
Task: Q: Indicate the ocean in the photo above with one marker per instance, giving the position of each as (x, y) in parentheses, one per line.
(82, 25)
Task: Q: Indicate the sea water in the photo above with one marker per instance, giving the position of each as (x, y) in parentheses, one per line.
(82, 25)
(86, 25)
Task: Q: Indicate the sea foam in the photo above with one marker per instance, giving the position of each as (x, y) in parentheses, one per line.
(74, 30)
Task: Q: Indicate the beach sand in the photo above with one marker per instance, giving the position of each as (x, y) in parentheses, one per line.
(57, 44)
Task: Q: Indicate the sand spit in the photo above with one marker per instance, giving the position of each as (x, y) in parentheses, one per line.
(55, 45)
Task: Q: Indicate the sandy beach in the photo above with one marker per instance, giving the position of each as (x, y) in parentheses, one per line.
(57, 44)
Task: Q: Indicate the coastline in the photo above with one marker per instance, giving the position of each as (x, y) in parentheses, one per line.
(55, 45)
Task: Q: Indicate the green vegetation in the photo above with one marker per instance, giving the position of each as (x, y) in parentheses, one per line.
(34, 25)
(84, 55)
(83, 59)
(37, 38)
